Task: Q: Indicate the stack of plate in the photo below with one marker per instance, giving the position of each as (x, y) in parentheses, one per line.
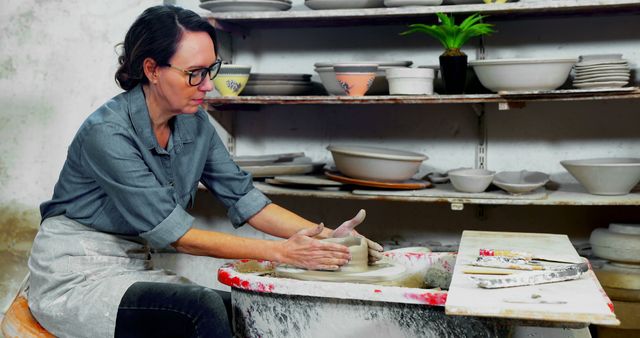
(278, 84)
(343, 4)
(245, 5)
(601, 71)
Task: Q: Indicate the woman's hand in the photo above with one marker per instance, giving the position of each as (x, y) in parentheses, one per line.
(301, 250)
(347, 229)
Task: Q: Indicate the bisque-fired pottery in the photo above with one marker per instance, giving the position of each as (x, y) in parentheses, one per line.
(471, 180)
(619, 243)
(520, 182)
(410, 81)
(376, 164)
(605, 176)
(523, 74)
(355, 78)
(231, 79)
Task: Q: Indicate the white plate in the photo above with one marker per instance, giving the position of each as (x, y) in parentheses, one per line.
(379, 63)
(343, 4)
(520, 182)
(279, 169)
(245, 5)
(406, 3)
(600, 63)
(319, 180)
(600, 57)
(254, 160)
(609, 84)
(602, 79)
(279, 77)
(603, 72)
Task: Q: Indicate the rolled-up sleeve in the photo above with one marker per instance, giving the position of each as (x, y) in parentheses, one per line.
(170, 230)
(230, 184)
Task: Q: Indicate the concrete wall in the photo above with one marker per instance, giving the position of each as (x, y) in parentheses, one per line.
(57, 61)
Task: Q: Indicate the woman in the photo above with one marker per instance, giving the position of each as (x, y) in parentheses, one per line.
(130, 173)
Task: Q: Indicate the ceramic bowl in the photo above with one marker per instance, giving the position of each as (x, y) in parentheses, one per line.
(410, 81)
(520, 182)
(379, 86)
(355, 78)
(231, 79)
(605, 176)
(471, 180)
(376, 164)
(522, 74)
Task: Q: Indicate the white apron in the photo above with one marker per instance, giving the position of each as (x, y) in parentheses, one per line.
(79, 275)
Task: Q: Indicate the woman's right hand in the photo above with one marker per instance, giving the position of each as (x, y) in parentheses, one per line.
(303, 251)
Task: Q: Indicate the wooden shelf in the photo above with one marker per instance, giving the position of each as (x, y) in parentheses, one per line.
(501, 98)
(335, 17)
(567, 195)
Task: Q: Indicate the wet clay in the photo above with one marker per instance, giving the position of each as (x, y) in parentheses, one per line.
(356, 271)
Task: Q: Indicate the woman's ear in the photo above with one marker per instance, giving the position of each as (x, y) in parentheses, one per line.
(150, 68)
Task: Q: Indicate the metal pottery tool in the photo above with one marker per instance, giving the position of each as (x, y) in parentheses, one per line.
(568, 272)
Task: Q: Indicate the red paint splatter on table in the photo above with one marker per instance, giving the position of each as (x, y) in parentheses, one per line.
(611, 307)
(377, 291)
(225, 278)
(428, 298)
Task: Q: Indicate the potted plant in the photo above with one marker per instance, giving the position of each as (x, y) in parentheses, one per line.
(453, 62)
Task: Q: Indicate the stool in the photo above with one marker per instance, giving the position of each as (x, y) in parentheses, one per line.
(18, 322)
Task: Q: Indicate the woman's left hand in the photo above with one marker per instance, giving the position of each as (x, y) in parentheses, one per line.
(347, 229)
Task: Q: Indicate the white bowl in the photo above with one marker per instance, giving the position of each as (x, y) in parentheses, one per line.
(620, 243)
(376, 164)
(520, 182)
(471, 180)
(410, 81)
(522, 74)
(605, 176)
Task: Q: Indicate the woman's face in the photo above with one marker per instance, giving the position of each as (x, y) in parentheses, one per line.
(194, 51)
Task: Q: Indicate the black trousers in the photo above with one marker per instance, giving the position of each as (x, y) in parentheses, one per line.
(173, 310)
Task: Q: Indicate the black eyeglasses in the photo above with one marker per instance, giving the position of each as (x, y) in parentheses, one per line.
(197, 76)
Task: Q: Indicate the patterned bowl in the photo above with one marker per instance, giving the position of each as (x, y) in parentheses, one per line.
(355, 78)
(232, 79)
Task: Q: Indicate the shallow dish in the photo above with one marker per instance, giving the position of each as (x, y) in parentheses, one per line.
(245, 6)
(605, 176)
(520, 182)
(376, 164)
(407, 3)
(471, 180)
(343, 4)
(522, 74)
(607, 84)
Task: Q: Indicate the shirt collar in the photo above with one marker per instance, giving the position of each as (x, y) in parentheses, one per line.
(141, 121)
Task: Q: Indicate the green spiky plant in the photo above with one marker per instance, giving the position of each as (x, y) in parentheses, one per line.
(452, 36)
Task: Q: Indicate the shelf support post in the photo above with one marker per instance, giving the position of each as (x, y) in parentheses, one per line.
(481, 147)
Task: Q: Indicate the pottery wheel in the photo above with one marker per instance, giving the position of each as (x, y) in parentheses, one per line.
(378, 273)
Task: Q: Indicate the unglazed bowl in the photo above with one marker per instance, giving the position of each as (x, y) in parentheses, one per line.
(359, 253)
(376, 164)
(520, 182)
(605, 176)
(471, 180)
(522, 74)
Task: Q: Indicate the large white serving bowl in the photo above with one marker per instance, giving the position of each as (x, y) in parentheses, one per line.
(520, 182)
(522, 74)
(471, 180)
(605, 176)
(376, 164)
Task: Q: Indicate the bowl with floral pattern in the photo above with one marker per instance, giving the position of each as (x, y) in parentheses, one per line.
(231, 79)
(355, 78)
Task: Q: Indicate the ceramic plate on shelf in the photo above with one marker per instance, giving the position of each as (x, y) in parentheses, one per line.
(609, 84)
(602, 67)
(311, 180)
(254, 160)
(407, 3)
(602, 79)
(601, 63)
(343, 4)
(279, 77)
(279, 169)
(245, 5)
(402, 185)
(602, 73)
(277, 89)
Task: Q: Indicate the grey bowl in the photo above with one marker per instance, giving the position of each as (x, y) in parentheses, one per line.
(471, 180)
(605, 176)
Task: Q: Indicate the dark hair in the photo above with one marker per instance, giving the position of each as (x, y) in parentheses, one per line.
(155, 34)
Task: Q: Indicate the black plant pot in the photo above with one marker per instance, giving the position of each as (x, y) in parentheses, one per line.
(454, 73)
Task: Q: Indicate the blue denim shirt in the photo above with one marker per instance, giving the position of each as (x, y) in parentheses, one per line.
(118, 179)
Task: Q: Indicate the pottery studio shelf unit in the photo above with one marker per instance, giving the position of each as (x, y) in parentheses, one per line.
(225, 109)
(336, 17)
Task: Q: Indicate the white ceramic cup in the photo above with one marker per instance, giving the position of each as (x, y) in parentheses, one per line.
(410, 81)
